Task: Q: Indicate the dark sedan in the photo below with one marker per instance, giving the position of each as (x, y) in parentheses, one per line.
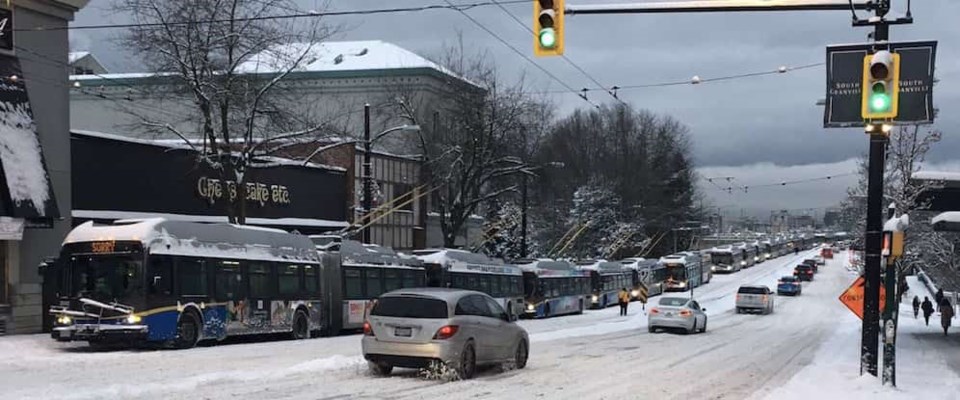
(803, 272)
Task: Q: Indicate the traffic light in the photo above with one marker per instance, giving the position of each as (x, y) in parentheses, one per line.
(881, 85)
(547, 27)
(892, 244)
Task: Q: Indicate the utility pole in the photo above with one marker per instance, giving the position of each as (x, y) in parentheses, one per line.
(523, 216)
(367, 173)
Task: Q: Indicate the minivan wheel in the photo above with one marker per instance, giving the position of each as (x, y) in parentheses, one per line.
(468, 362)
(380, 368)
(520, 359)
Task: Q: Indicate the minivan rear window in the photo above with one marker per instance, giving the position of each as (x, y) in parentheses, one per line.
(752, 290)
(410, 307)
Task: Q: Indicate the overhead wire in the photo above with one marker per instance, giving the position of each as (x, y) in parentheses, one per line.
(746, 188)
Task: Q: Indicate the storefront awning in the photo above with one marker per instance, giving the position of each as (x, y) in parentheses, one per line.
(25, 190)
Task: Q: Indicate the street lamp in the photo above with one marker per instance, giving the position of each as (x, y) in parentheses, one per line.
(523, 203)
(367, 170)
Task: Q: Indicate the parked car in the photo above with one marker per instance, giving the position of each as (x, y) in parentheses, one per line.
(803, 272)
(756, 298)
(819, 260)
(789, 285)
(416, 328)
(677, 313)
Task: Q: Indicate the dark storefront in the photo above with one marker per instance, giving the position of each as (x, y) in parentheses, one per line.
(119, 178)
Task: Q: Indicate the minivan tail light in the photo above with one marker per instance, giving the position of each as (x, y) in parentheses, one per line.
(367, 329)
(446, 332)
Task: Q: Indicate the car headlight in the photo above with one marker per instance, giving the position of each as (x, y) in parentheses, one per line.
(595, 298)
(767, 255)
(531, 307)
(713, 268)
(134, 319)
(635, 293)
(64, 320)
(682, 284)
(743, 263)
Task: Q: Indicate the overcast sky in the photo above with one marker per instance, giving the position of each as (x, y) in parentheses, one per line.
(761, 130)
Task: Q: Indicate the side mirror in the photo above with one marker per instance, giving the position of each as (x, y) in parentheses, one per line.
(703, 309)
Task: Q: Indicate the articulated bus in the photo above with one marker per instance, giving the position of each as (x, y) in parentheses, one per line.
(767, 249)
(465, 270)
(606, 280)
(746, 254)
(553, 288)
(757, 252)
(650, 272)
(366, 272)
(683, 272)
(725, 259)
(175, 283)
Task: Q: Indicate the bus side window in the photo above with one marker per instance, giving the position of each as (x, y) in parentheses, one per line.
(289, 279)
(353, 284)
(227, 281)
(472, 283)
(260, 280)
(160, 275)
(412, 279)
(391, 279)
(192, 277)
(495, 286)
(459, 281)
(310, 279)
(374, 286)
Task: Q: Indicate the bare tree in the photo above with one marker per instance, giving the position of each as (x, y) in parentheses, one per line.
(231, 59)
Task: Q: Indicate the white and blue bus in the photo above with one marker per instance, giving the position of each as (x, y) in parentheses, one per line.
(175, 283)
(553, 288)
(683, 272)
(473, 271)
(649, 272)
(726, 259)
(607, 278)
(366, 272)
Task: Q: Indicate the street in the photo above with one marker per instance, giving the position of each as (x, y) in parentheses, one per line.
(594, 355)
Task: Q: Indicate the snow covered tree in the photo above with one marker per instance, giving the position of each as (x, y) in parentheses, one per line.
(596, 209)
(230, 60)
(502, 236)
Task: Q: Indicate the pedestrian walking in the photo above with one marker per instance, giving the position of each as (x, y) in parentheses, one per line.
(939, 298)
(624, 300)
(946, 315)
(927, 308)
(916, 306)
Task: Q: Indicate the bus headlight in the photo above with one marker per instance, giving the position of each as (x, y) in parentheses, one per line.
(713, 267)
(766, 255)
(635, 293)
(595, 298)
(743, 263)
(134, 319)
(756, 259)
(531, 307)
(64, 320)
(682, 284)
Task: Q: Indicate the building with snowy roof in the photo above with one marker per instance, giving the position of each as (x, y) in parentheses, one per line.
(84, 63)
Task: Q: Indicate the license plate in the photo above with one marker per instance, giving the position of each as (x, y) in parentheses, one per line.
(669, 314)
(405, 332)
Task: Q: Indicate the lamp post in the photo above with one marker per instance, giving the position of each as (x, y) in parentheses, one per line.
(367, 167)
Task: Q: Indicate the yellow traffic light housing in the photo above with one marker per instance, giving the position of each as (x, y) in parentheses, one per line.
(880, 86)
(892, 244)
(547, 28)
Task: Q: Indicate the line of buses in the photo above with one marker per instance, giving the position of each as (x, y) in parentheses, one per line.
(175, 283)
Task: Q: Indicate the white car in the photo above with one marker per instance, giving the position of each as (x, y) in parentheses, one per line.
(677, 313)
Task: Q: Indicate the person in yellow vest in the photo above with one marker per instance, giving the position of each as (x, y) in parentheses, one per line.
(624, 300)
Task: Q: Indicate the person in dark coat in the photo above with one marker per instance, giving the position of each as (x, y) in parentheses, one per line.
(939, 298)
(916, 306)
(927, 308)
(946, 315)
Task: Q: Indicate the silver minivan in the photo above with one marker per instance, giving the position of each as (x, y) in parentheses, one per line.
(461, 329)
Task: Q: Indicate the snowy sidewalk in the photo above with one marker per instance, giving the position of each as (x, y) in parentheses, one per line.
(927, 363)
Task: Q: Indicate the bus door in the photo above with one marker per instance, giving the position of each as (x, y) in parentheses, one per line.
(260, 278)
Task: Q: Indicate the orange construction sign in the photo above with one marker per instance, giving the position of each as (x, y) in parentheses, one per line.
(853, 297)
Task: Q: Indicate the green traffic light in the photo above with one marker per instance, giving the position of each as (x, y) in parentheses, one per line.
(879, 102)
(548, 38)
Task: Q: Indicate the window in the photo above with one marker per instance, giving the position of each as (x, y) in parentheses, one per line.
(227, 281)
(289, 279)
(412, 279)
(192, 275)
(485, 284)
(374, 286)
(260, 286)
(391, 279)
(310, 278)
(496, 310)
(515, 288)
(352, 285)
(472, 283)
(495, 286)
(402, 192)
(159, 275)
(459, 281)
(473, 305)
(409, 307)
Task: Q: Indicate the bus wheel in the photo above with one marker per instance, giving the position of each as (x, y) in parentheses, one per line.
(188, 331)
(580, 310)
(510, 310)
(301, 327)
(546, 310)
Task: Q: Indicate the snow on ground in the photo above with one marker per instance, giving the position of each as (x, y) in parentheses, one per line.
(591, 356)
(926, 362)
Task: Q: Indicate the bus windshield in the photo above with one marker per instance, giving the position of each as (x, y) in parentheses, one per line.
(722, 258)
(106, 278)
(677, 272)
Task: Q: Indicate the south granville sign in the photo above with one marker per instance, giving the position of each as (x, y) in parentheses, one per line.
(845, 77)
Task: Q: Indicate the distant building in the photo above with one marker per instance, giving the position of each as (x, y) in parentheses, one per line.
(84, 63)
(831, 218)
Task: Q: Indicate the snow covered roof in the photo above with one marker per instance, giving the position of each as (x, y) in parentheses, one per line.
(132, 215)
(73, 56)
(326, 57)
(948, 221)
(937, 175)
(162, 236)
